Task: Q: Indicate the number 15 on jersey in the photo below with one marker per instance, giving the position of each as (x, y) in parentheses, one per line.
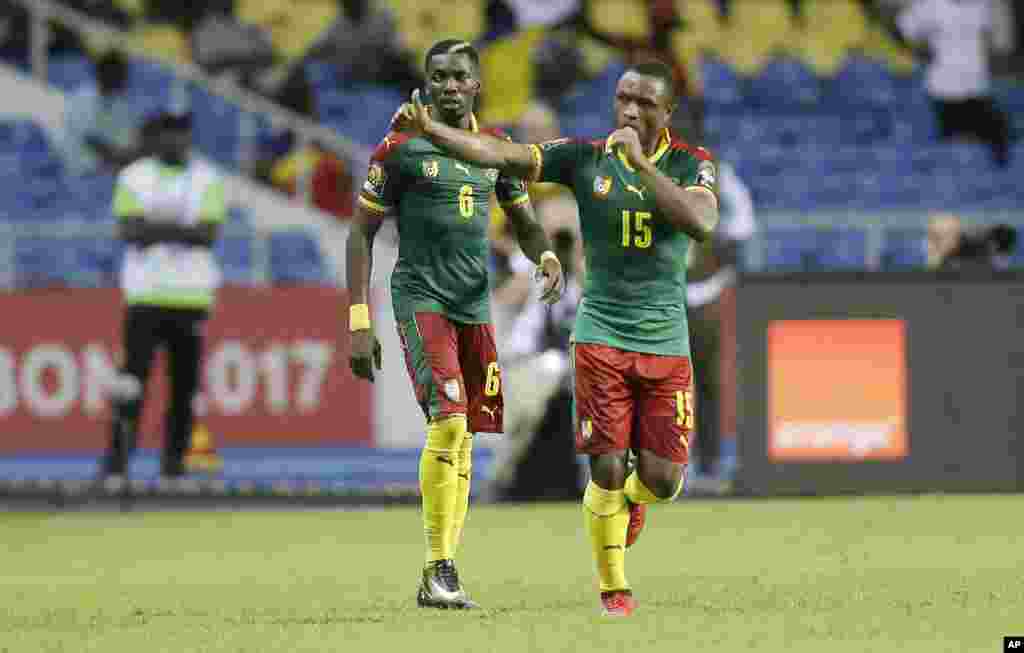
(635, 230)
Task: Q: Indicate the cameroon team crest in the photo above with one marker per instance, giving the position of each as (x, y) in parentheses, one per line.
(431, 168)
(602, 186)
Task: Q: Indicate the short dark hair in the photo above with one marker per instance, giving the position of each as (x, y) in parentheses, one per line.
(112, 71)
(658, 70)
(452, 46)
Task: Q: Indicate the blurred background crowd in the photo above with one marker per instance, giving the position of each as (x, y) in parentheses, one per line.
(852, 135)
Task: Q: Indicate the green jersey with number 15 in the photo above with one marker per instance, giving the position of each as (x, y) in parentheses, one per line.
(634, 298)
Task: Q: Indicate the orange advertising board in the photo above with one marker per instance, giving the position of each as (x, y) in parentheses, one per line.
(837, 390)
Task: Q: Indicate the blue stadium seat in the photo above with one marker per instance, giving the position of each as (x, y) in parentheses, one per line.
(723, 88)
(66, 72)
(215, 126)
(362, 113)
(323, 76)
(842, 249)
(40, 262)
(295, 258)
(784, 85)
(587, 125)
(789, 248)
(151, 81)
(861, 84)
(234, 254)
(904, 249)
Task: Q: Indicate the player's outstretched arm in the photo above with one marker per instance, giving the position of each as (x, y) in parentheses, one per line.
(366, 351)
(693, 210)
(514, 159)
(535, 244)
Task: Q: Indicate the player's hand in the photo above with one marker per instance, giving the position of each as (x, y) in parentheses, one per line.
(366, 354)
(627, 141)
(417, 114)
(549, 275)
(402, 120)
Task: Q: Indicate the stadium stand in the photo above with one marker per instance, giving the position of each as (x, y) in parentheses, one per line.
(818, 113)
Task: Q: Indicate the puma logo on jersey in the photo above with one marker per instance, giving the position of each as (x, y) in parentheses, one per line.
(488, 410)
(639, 191)
(462, 167)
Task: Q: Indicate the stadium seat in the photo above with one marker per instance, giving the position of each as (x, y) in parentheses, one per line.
(723, 88)
(67, 72)
(701, 32)
(904, 249)
(626, 19)
(829, 30)
(362, 113)
(234, 254)
(757, 30)
(861, 84)
(784, 85)
(789, 248)
(215, 130)
(295, 258)
(842, 249)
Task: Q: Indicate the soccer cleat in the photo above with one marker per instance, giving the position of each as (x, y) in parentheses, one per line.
(441, 588)
(618, 603)
(637, 520)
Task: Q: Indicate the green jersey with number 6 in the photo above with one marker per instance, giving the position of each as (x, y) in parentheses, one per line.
(442, 205)
(635, 293)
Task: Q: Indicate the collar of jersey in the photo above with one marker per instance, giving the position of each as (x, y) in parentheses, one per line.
(473, 124)
(666, 141)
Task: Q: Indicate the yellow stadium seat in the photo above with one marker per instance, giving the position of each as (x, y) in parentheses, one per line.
(756, 31)
(162, 42)
(624, 18)
(293, 25)
(424, 22)
(508, 76)
(702, 28)
(881, 45)
(134, 8)
(832, 27)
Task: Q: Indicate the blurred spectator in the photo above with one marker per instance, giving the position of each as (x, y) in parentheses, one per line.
(15, 34)
(665, 22)
(221, 43)
(101, 124)
(365, 45)
(944, 231)
(557, 66)
(537, 458)
(986, 248)
(958, 35)
(331, 188)
(712, 269)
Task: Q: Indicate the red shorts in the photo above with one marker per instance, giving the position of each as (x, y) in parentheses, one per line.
(454, 370)
(629, 400)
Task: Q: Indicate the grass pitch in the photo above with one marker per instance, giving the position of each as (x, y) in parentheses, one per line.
(913, 574)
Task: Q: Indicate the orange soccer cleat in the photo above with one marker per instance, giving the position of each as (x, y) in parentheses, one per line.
(618, 603)
(637, 519)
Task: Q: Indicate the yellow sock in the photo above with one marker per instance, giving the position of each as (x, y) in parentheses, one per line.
(464, 467)
(439, 484)
(637, 492)
(607, 518)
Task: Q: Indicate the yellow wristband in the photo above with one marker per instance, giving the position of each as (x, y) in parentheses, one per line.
(546, 256)
(358, 317)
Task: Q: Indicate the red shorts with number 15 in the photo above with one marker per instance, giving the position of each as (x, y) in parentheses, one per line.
(630, 400)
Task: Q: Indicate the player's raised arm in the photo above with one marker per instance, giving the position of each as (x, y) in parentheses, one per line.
(693, 208)
(514, 159)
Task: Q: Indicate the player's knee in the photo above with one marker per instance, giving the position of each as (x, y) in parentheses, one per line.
(608, 470)
(664, 485)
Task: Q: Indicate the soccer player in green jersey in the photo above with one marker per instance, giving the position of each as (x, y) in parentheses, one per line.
(643, 197)
(440, 291)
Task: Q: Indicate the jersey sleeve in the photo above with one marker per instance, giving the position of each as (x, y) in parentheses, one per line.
(556, 161)
(380, 191)
(703, 177)
(509, 190)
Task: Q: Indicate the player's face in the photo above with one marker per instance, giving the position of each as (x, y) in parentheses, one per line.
(643, 103)
(453, 86)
